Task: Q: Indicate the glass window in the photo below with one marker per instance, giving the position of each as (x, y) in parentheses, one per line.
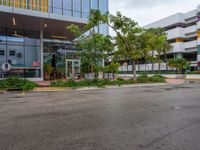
(94, 4)
(2, 36)
(77, 8)
(15, 37)
(67, 7)
(50, 5)
(103, 29)
(2, 59)
(103, 6)
(57, 7)
(85, 8)
(16, 55)
(2, 53)
(12, 53)
(22, 52)
(32, 62)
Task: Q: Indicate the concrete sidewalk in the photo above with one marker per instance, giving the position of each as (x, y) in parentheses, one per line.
(54, 89)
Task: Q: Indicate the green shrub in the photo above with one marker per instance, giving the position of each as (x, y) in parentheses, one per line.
(70, 83)
(157, 78)
(120, 79)
(104, 82)
(143, 79)
(194, 72)
(146, 79)
(15, 82)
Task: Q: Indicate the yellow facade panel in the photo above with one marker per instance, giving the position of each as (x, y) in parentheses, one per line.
(179, 39)
(198, 34)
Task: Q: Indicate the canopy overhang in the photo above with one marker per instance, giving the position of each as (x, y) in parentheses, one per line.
(53, 26)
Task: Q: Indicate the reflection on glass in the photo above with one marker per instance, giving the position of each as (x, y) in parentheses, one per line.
(103, 5)
(103, 29)
(50, 5)
(32, 61)
(85, 8)
(2, 59)
(57, 7)
(69, 69)
(77, 8)
(94, 4)
(22, 52)
(67, 7)
(76, 68)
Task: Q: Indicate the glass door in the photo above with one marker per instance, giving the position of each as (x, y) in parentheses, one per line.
(73, 68)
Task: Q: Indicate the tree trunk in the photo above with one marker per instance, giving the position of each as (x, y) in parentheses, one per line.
(112, 75)
(159, 63)
(153, 63)
(145, 63)
(134, 70)
(166, 61)
(138, 63)
(92, 70)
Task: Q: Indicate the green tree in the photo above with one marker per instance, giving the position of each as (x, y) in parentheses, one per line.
(158, 43)
(92, 49)
(127, 35)
(166, 48)
(179, 64)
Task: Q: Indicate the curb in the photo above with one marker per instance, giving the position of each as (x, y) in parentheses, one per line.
(58, 89)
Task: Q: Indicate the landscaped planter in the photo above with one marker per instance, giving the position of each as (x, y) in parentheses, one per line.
(193, 76)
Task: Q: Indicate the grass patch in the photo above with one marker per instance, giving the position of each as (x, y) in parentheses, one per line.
(17, 83)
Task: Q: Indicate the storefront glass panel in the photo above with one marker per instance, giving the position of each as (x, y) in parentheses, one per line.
(22, 51)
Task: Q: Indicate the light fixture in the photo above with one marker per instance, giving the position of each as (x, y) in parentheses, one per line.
(14, 22)
(59, 37)
(45, 25)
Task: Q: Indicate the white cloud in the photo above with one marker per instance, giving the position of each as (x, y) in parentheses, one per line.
(147, 11)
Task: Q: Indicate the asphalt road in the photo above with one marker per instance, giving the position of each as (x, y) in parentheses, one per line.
(145, 118)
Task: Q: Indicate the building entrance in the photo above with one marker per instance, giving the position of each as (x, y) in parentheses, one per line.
(73, 68)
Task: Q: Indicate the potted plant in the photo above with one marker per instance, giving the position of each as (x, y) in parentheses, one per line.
(48, 69)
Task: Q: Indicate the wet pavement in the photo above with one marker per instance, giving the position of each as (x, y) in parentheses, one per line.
(145, 118)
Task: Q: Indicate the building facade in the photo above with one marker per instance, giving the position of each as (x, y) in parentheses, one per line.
(33, 33)
(183, 33)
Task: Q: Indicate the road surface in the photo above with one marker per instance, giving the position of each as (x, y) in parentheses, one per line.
(144, 118)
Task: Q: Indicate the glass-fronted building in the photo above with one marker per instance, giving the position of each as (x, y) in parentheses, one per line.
(33, 32)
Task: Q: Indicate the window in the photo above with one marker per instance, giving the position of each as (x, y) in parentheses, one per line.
(67, 7)
(85, 8)
(77, 8)
(50, 5)
(2, 52)
(94, 4)
(57, 7)
(103, 29)
(12, 53)
(103, 6)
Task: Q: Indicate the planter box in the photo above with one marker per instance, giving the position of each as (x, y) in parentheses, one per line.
(193, 76)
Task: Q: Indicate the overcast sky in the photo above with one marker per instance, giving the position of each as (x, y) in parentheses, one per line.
(147, 11)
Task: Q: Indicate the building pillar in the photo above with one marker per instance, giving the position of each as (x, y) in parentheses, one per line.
(179, 55)
(198, 49)
(42, 53)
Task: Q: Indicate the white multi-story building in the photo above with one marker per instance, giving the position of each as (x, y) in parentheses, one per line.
(183, 32)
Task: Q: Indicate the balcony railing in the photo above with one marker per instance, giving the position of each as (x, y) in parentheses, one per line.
(177, 47)
(198, 25)
(190, 45)
(175, 33)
